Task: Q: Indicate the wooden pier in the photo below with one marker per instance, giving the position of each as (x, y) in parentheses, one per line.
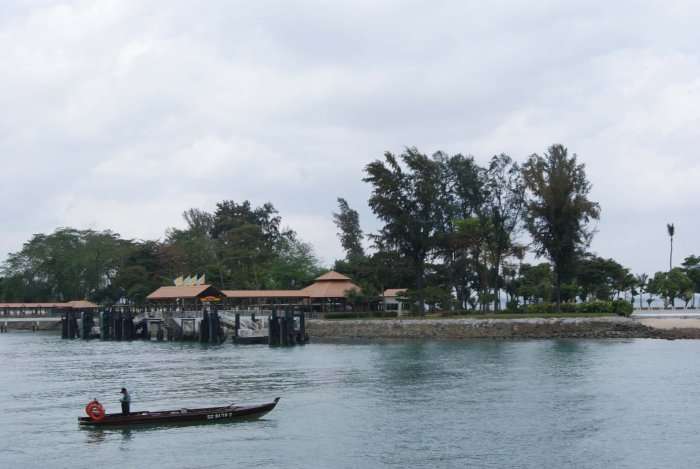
(207, 325)
(173, 313)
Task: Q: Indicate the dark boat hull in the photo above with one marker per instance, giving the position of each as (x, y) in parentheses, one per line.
(183, 416)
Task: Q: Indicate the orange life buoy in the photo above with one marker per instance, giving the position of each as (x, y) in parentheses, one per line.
(95, 411)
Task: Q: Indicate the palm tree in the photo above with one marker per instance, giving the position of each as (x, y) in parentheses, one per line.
(641, 283)
(671, 231)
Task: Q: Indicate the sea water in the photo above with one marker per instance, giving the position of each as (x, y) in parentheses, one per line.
(426, 404)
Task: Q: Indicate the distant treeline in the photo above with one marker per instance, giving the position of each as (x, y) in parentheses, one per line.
(237, 246)
(452, 233)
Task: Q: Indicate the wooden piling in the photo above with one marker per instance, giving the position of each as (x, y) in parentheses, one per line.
(213, 327)
(118, 324)
(86, 323)
(73, 330)
(204, 327)
(105, 331)
(284, 330)
(302, 328)
(64, 326)
(273, 329)
(128, 325)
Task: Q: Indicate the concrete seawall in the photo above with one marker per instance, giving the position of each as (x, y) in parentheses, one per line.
(530, 328)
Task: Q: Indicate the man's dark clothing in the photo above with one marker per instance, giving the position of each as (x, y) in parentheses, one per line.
(126, 402)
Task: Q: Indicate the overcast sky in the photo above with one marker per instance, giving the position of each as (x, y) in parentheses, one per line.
(121, 114)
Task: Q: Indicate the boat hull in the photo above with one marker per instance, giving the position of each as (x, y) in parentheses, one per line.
(183, 416)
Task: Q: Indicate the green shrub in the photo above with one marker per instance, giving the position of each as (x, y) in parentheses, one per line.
(619, 307)
(596, 306)
(540, 308)
(384, 314)
(622, 308)
(513, 307)
(566, 308)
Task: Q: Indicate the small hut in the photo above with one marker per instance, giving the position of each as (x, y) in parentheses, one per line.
(327, 293)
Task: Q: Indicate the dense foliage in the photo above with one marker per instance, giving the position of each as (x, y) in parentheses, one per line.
(454, 234)
(236, 247)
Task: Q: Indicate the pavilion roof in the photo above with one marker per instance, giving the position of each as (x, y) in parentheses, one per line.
(264, 294)
(333, 276)
(330, 288)
(184, 292)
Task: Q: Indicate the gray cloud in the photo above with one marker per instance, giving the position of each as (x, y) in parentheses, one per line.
(121, 114)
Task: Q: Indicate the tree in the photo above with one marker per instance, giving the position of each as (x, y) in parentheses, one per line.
(411, 205)
(504, 202)
(67, 264)
(363, 298)
(642, 280)
(558, 211)
(534, 283)
(691, 266)
(671, 231)
(462, 242)
(600, 278)
(470, 241)
(295, 265)
(347, 221)
(143, 271)
(671, 285)
(241, 246)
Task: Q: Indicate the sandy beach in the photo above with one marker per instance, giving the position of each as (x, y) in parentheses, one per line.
(671, 323)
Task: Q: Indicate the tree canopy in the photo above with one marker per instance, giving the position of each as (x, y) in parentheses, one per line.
(238, 246)
(452, 232)
(558, 210)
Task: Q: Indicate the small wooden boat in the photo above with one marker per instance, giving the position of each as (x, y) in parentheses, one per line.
(183, 416)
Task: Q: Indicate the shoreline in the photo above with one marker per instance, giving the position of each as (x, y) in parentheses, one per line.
(600, 327)
(605, 327)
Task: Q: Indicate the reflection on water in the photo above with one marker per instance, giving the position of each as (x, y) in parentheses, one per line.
(99, 435)
(544, 403)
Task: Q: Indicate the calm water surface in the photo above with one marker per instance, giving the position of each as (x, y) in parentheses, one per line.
(535, 404)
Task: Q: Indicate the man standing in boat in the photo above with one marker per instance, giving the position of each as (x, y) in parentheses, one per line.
(125, 401)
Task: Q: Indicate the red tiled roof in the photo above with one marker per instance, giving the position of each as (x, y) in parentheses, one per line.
(177, 292)
(79, 304)
(332, 276)
(264, 294)
(329, 289)
(82, 304)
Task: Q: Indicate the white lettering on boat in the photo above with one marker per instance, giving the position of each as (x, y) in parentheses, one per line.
(223, 415)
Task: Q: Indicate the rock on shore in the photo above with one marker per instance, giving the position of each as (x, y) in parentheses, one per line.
(526, 328)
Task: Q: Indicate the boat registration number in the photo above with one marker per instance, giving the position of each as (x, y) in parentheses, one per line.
(223, 415)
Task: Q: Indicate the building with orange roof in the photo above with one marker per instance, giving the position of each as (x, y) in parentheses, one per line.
(327, 293)
(390, 301)
(45, 308)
